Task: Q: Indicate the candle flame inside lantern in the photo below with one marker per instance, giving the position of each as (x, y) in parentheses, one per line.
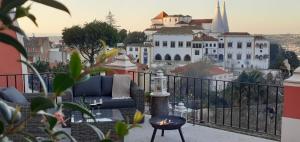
(165, 122)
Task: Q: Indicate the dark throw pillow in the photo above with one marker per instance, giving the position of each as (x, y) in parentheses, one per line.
(90, 87)
(11, 94)
(107, 83)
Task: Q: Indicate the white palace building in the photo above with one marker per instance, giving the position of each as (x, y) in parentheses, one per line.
(180, 39)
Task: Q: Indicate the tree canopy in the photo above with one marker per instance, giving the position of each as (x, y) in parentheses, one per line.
(135, 37)
(91, 38)
(278, 55)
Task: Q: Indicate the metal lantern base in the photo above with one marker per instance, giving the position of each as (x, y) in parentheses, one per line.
(159, 104)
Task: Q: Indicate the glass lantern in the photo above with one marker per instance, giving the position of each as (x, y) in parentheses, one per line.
(160, 82)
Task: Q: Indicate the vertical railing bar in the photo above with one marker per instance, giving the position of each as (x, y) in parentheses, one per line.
(231, 103)
(223, 117)
(187, 96)
(174, 93)
(150, 81)
(201, 99)
(32, 87)
(24, 85)
(216, 109)
(276, 111)
(267, 104)
(257, 107)
(194, 109)
(180, 88)
(249, 101)
(48, 82)
(6, 81)
(133, 78)
(138, 78)
(16, 86)
(144, 81)
(208, 101)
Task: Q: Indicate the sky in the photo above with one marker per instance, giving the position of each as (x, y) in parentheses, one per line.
(253, 16)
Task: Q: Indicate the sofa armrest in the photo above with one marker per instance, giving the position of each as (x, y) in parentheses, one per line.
(137, 95)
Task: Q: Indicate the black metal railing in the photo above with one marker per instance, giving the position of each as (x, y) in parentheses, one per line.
(253, 108)
(27, 83)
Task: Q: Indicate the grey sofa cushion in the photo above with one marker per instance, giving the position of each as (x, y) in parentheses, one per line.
(109, 103)
(90, 87)
(11, 94)
(107, 83)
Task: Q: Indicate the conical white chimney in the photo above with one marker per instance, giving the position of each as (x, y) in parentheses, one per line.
(217, 24)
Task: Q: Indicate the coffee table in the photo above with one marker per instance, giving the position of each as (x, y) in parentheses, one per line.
(105, 122)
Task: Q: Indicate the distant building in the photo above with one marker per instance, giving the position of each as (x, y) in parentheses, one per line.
(37, 48)
(179, 39)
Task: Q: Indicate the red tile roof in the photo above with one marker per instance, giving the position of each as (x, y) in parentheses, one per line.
(237, 33)
(200, 21)
(216, 71)
(205, 37)
(161, 15)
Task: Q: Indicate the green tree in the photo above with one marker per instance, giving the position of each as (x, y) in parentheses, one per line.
(90, 39)
(60, 67)
(293, 59)
(135, 37)
(122, 35)
(42, 66)
(110, 19)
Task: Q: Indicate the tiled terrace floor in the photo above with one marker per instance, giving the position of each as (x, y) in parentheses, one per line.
(192, 133)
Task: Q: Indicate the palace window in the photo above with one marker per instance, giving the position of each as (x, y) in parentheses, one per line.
(130, 49)
(215, 45)
(165, 44)
(188, 44)
(249, 44)
(136, 49)
(248, 56)
(172, 44)
(156, 43)
(239, 45)
(180, 44)
(197, 52)
(229, 44)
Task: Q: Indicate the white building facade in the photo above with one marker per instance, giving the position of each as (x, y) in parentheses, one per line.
(180, 39)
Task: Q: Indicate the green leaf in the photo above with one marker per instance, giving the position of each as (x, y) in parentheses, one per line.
(1, 127)
(53, 4)
(13, 42)
(5, 18)
(121, 129)
(28, 137)
(58, 133)
(75, 66)
(12, 4)
(38, 75)
(76, 107)
(32, 18)
(41, 103)
(99, 133)
(21, 12)
(62, 82)
(52, 121)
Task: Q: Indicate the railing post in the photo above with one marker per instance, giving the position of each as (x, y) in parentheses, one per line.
(291, 111)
